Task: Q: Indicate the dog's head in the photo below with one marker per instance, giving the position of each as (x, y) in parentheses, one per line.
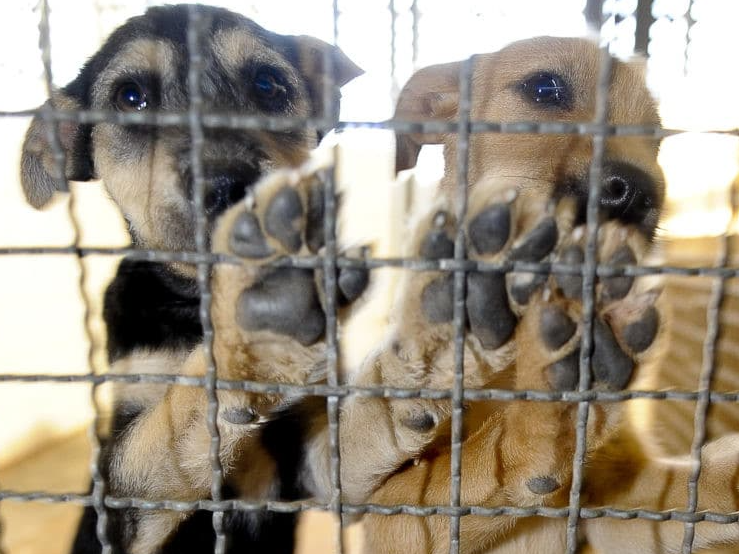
(544, 79)
(143, 66)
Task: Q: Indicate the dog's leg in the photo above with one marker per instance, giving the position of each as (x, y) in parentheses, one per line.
(269, 326)
(524, 333)
(623, 476)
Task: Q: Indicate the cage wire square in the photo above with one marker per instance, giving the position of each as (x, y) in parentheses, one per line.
(405, 22)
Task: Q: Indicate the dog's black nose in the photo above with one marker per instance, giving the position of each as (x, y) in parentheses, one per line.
(628, 194)
(226, 185)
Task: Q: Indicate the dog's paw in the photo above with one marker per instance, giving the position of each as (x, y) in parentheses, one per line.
(524, 329)
(270, 321)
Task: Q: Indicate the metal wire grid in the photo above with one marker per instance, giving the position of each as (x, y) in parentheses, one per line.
(197, 120)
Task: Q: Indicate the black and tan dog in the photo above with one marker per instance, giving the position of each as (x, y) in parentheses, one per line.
(151, 309)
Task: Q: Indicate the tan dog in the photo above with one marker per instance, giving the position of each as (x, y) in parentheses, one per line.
(526, 203)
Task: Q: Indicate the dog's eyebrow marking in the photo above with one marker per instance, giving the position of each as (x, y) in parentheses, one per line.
(234, 48)
(140, 56)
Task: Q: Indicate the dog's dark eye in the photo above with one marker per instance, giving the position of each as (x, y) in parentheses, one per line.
(269, 89)
(131, 97)
(547, 89)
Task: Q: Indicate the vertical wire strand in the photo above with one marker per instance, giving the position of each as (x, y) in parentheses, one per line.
(394, 86)
(416, 15)
(690, 22)
(460, 279)
(329, 275)
(195, 30)
(588, 288)
(708, 369)
(98, 479)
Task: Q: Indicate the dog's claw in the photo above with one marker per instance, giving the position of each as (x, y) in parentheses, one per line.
(489, 230)
(524, 285)
(282, 218)
(538, 244)
(437, 245)
(490, 317)
(556, 327)
(247, 239)
(640, 334)
(616, 288)
(284, 301)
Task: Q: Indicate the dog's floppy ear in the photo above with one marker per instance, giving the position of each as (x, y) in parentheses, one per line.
(40, 175)
(311, 56)
(432, 93)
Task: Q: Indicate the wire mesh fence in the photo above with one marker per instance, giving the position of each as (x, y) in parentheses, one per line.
(197, 120)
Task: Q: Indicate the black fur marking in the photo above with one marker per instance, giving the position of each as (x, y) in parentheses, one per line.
(564, 374)
(282, 218)
(542, 485)
(615, 288)
(538, 243)
(490, 317)
(489, 230)
(571, 284)
(556, 327)
(149, 306)
(247, 239)
(640, 334)
(611, 365)
(284, 301)
(437, 299)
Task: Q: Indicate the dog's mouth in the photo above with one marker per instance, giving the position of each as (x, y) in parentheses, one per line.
(224, 186)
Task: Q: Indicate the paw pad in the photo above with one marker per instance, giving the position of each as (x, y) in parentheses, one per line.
(284, 301)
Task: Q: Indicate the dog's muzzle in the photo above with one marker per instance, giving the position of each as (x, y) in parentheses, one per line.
(224, 186)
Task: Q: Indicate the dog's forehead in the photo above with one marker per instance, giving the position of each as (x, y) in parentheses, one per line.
(578, 60)
(235, 47)
(574, 58)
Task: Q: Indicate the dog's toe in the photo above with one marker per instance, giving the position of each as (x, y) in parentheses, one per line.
(490, 229)
(283, 218)
(640, 334)
(247, 239)
(491, 319)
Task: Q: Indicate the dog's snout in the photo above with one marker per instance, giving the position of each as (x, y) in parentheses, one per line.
(628, 194)
(225, 185)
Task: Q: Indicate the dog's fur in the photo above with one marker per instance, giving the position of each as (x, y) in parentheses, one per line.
(152, 309)
(526, 203)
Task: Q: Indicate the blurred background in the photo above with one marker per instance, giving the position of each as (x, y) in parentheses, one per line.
(690, 46)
